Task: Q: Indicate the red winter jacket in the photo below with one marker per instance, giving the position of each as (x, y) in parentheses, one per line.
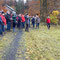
(48, 20)
(3, 19)
(23, 19)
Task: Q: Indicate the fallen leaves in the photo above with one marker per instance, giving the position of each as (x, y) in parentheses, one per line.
(43, 44)
(5, 44)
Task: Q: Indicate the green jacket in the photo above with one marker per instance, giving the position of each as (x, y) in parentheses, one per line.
(14, 18)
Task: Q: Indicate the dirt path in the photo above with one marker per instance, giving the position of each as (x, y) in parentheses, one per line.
(11, 52)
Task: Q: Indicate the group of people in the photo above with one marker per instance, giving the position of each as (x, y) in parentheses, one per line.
(12, 20)
(32, 20)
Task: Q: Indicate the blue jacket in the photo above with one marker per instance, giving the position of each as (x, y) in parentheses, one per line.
(33, 20)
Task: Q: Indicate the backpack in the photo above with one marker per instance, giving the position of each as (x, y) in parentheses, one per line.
(0, 19)
(33, 20)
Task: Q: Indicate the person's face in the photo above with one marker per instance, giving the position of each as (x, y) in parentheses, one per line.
(20, 15)
(8, 12)
(3, 14)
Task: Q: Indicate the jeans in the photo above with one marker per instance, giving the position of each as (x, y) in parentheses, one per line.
(3, 29)
(14, 30)
(48, 25)
(27, 28)
(0, 29)
(9, 26)
(14, 25)
(23, 24)
(19, 25)
(29, 23)
(33, 25)
(37, 25)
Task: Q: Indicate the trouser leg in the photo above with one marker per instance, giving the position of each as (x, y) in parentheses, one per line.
(33, 25)
(48, 25)
(38, 25)
(27, 27)
(9, 26)
(14, 25)
(1, 30)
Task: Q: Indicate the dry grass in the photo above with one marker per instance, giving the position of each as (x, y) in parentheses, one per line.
(43, 44)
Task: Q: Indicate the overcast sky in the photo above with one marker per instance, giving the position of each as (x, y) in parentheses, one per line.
(24, 1)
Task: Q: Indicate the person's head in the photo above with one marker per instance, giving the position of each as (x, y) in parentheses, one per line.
(19, 15)
(48, 17)
(2, 10)
(22, 15)
(36, 14)
(33, 16)
(26, 14)
(3, 14)
(8, 12)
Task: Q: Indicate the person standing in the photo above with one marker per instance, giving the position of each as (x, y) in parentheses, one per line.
(19, 21)
(29, 21)
(14, 22)
(8, 16)
(27, 24)
(33, 22)
(23, 21)
(48, 22)
(37, 21)
(2, 21)
(1, 25)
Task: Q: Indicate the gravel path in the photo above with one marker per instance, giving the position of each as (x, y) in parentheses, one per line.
(11, 52)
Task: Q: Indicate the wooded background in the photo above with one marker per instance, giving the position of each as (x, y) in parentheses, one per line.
(41, 7)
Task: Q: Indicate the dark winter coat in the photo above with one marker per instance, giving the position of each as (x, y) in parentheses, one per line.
(33, 20)
(7, 16)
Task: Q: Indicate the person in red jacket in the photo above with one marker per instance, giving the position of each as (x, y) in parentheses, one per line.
(2, 23)
(23, 21)
(48, 22)
(3, 19)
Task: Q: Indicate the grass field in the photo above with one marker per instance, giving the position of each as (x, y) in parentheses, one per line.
(5, 43)
(43, 44)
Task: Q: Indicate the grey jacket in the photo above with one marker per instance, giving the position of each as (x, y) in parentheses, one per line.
(37, 20)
